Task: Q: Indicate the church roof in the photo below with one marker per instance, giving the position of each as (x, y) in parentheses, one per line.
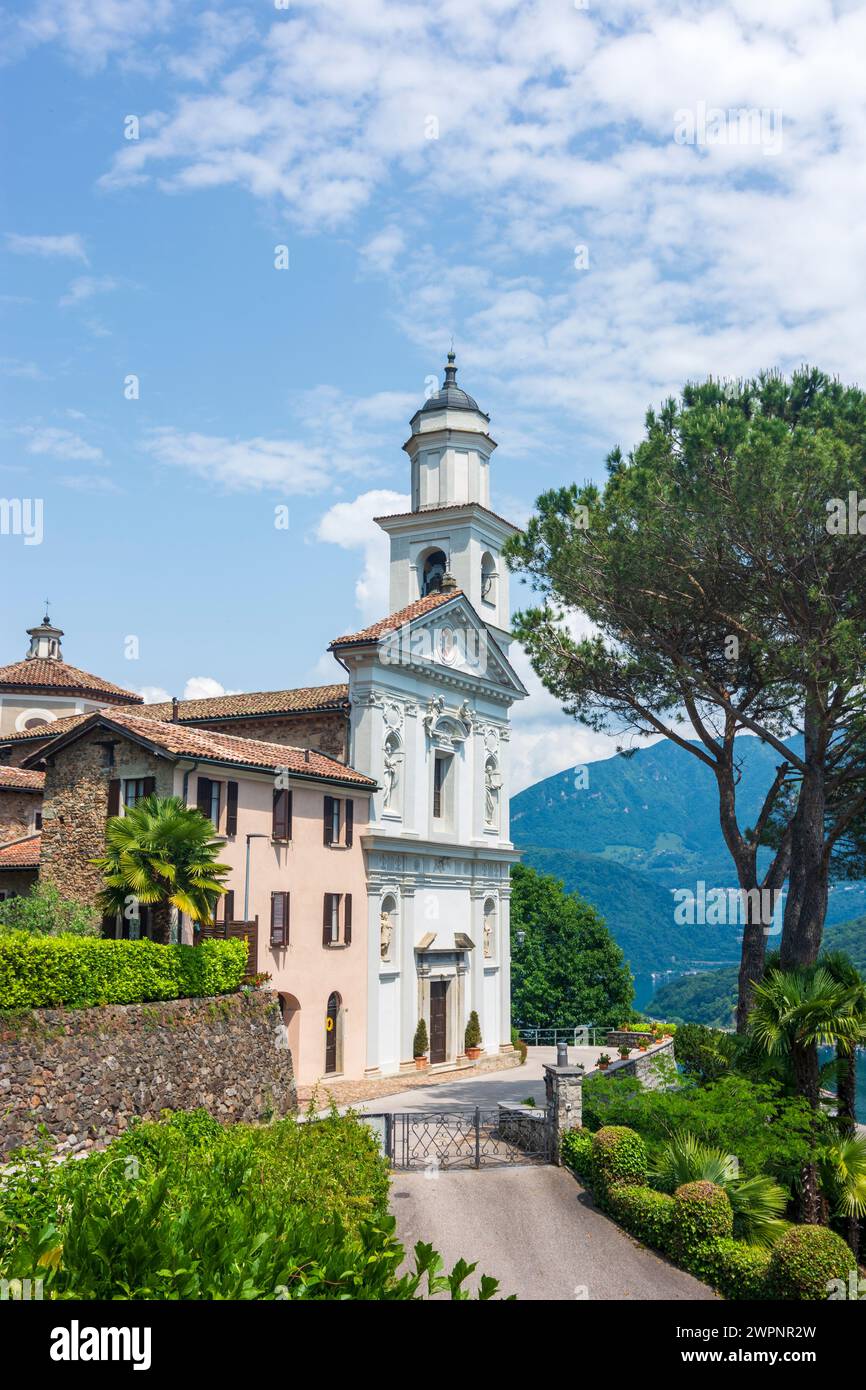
(181, 741)
(450, 396)
(396, 620)
(52, 677)
(448, 507)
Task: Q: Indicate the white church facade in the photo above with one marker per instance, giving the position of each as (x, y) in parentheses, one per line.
(430, 690)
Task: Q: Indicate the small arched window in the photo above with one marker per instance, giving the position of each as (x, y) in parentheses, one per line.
(488, 578)
(435, 566)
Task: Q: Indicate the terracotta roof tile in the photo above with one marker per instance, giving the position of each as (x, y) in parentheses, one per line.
(21, 854)
(396, 620)
(40, 673)
(306, 699)
(21, 779)
(182, 741)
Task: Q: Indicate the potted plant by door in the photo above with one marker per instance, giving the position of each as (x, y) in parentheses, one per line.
(603, 1061)
(420, 1045)
(472, 1037)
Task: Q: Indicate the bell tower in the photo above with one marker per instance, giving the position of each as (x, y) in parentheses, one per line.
(451, 538)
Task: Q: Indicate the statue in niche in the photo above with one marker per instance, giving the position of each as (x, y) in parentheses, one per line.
(386, 932)
(391, 774)
(492, 788)
(488, 935)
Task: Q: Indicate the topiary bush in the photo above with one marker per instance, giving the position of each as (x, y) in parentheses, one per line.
(472, 1035)
(735, 1269)
(805, 1261)
(576, 1153)
(701, 1213)
(644, 1212)
(38, 972)
(618, 1155)
(420, 1042)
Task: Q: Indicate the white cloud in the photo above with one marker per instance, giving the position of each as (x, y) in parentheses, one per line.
(12, 366)
(85, 287)
(88, 31)
(60, 443)
(205, 688)
(351, 526)
(153, 694)
(69, 247)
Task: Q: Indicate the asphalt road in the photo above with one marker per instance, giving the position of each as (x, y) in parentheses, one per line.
(535, 1230)
(486, 1090)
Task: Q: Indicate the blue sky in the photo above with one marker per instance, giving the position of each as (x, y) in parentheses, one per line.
(432, 168)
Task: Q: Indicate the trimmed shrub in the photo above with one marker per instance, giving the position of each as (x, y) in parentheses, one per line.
(618, 1155)
(735, 1269)
(805, 1261)
(39, 972)
(701, 1213)
(420, 1042)
(644, 1212)
(472, 1036)
(576, 1153)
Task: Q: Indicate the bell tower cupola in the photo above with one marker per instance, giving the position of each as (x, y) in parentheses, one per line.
(45, 641)
(451, 539)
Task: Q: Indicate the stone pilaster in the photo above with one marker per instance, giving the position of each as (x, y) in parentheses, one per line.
(564, 1095)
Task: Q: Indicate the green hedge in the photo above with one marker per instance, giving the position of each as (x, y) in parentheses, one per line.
(736, 1270)
(805, 1261)
(644, 1212)
(618, 1155)
(576, 1153)
(702, 1213)
(38, 972)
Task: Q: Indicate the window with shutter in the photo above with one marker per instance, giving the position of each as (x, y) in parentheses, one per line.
(231, 808)
(350, 821)
(347, 919)
(203, 795)
(326, 920)
(114, 797)
(149, 786)
(328, 827)
(279, 919)
(281, 818)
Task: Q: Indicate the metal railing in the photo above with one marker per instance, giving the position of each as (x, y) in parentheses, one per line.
(582, 1035)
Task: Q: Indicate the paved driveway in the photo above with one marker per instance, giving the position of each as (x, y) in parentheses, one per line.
(536, 1231)
(486, 1090)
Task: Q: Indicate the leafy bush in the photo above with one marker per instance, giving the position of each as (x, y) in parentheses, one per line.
(758, 1203)
(644, 1212)
(472, 1036)
(420, 1042)
(705, 1053)
(45, 913)
(805, 1261)
(183, 1210)
(736, 1270)
(81, 972)
(576, 1153)
(701, 1213)
(769, 1132)
(618, 1155)
(519, 1045)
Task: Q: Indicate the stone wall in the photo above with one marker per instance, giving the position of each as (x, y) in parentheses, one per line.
(641, 1065)
(326, 732)
(75, 807)
(623, 1037)
(84, 1073)
(16, 813)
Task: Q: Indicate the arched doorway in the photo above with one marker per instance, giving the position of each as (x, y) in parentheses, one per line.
(334, 1035)
(291, 1012)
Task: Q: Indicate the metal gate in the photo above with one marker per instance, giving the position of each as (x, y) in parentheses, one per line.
(473, 1138)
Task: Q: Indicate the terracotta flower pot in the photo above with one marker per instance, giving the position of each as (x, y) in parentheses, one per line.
(473, 1053)
(421, 1063)
(603, 1066)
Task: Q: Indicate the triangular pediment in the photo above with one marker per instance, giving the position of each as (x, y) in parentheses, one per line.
(453, 640)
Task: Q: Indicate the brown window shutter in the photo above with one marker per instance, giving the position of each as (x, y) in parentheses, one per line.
(231, 808)
(329, 820)
(109, 925)
(203, 796)
(279, 919)
(149, 786)
(114, 797)
(347, 919)
(280, 827)
(326, 918)
(350, 820)
(229, 906)
(288, 815)
(288, 898)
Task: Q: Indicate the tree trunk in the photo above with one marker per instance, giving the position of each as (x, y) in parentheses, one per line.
(161, 930)
(806, 906)
(807, 1080)
(751, 970)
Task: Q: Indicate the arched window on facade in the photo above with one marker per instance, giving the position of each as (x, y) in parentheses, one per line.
(334, 1034)
(433, 572)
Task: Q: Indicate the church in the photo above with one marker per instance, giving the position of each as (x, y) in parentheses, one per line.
(374, 874)
(430, 689)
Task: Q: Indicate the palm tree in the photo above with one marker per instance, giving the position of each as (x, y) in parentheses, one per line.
(843, 1176)
(844, 972)
(794, 1012)
(758, 1203)
(163, 854)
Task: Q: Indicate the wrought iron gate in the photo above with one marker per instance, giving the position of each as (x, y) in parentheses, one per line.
(471, 1138)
